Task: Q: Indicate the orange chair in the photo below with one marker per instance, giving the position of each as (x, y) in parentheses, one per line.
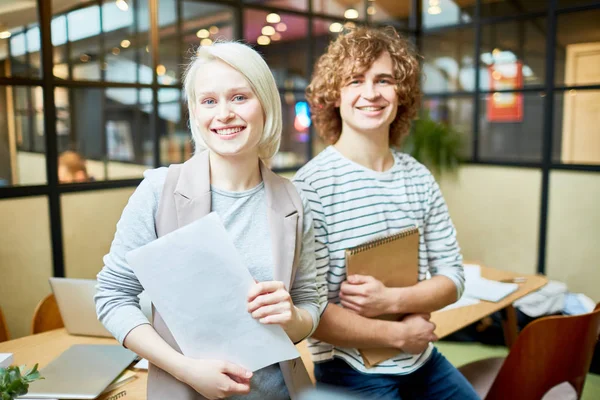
(46, 316)
(3, 328)
(549, 360)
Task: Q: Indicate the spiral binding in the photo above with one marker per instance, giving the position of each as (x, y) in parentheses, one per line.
(122, 393)
(378, 242)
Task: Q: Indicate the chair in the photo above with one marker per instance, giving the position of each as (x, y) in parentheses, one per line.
(549, 360)
(46, 316)
(3, 328)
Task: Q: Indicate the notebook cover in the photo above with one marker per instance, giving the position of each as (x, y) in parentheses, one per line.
(394, 260)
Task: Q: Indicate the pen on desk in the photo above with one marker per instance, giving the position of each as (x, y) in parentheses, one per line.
(518, 279)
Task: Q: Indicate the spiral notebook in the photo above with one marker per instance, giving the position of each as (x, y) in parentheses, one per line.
(394, 260)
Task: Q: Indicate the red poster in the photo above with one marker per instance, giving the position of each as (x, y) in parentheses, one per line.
(505, 107)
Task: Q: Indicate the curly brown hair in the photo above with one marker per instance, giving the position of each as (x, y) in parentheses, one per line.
(353, 53)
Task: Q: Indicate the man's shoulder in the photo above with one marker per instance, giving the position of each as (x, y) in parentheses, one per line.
(315, 168)
(411, 166)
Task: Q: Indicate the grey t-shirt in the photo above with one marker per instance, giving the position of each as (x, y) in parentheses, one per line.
(117, 302)
(244, 215)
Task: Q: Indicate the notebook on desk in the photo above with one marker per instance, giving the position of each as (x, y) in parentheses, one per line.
(393, 260)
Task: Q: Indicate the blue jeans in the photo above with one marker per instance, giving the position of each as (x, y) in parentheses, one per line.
(436, 379)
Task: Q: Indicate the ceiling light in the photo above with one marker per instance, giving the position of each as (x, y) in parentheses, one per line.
(336, 27)
(434, 10)
(5, 35)
(273, 18)
(160, 70)
(281, 27)
(206, 42)
(371, 10)
(214, 29)
(276, 36)
(125, 43)
(116, 51)
(203, 33)
(267, 30)
(351, 13)
(122, 5)
(263, 40)
(349, 25)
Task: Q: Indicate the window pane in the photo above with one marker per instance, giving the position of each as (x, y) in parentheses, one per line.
(448, 64)
(578, 48)
(83, 27)
(22, 139)
(126, 39)
(291, 4)
(436, 13)
(500, 8)
(283, 45)
(510, 127)
(347, 9)
(175, 138)
(577, 127)
(201, 23)
(456, 112)
(513, 55)
(19, 41)
(109, 129)
(293, 151)
(396, 13)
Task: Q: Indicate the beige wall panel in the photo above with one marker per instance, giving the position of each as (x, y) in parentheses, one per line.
(496, 214)
(89, 224)
(573, 248)
(25, 260)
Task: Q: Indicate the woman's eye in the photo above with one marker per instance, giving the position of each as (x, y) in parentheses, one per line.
(209, 102)
(239, 97)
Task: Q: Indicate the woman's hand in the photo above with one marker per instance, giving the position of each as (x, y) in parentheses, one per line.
(215, 379)
(270, 303)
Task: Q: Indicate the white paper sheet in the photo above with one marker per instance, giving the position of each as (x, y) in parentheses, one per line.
(199, 285)
(477, 287)
(462, 302)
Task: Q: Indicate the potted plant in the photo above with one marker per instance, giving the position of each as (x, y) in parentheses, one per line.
(14, 381)
(436, 145)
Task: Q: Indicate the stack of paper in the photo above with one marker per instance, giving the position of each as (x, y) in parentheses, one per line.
(5, 360)
(480, 288)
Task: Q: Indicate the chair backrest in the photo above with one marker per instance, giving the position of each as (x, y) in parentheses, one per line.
(549, 351)
(46, 316)
(3, 328)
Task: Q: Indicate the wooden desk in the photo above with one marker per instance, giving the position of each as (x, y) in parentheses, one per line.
(44, 347)
(452, 320)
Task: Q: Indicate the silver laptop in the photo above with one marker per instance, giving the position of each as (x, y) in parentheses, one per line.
(75, 298)
(83, 371)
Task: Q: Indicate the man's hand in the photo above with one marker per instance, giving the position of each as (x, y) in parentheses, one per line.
(215, 379)
(418, 333)
(270, 303)
(366, 296)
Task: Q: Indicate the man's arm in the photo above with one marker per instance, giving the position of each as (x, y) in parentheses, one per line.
(344, 328)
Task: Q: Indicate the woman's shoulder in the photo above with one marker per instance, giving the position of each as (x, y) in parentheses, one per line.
(154, 180)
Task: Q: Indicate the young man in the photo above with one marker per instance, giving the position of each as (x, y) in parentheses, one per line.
(364, 94)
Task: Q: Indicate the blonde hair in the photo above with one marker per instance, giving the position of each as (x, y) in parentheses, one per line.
(256, 71)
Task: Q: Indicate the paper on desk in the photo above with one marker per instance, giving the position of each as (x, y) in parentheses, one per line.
(462, 302)
(477, 287)
(199, 285)
(142, 364)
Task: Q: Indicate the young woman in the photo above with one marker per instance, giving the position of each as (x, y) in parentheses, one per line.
(235, 119)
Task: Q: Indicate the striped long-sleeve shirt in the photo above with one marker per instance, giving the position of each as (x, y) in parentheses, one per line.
(352, 204)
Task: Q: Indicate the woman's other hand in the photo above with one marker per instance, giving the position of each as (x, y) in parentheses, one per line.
(216, 379)
(270, 303)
